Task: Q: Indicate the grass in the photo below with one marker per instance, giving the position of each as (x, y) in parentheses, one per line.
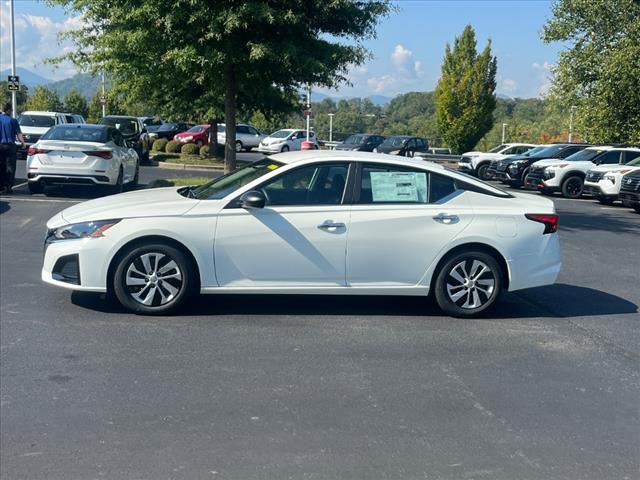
(178, 182)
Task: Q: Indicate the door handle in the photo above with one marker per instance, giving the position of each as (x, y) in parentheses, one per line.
(329, 225)
(446, 219)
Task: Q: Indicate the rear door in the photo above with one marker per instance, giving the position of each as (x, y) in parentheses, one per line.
(401, 219)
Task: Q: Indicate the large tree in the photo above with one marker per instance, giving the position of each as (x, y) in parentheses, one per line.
(44, 99)
(600, 71)
(205, 57)
(465, 95)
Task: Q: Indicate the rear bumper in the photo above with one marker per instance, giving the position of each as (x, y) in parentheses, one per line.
(537, 268)
(69, 179)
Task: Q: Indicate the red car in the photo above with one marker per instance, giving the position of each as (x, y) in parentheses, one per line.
(198, 135)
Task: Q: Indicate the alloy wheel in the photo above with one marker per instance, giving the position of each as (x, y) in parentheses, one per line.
(153, 279)
(470, 284)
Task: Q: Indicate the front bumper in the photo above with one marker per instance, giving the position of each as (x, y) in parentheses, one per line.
(629, 199)
(277, 148)
(466, 167)
(603, 188)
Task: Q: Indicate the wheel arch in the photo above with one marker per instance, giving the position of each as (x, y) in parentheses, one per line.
(573, 173)
(148, 239)
(472, 246)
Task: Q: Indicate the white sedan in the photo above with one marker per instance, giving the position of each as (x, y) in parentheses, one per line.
(314, 222)
(286, 140)
(82, 154)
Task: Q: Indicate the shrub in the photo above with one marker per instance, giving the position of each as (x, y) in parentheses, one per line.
(190, 149)
(204, 151)
(172, 147)
(159, 145)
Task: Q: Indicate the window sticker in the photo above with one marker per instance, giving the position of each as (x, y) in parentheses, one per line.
(272, 166)
(399, 187)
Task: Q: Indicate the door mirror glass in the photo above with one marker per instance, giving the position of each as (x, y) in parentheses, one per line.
(252, 199)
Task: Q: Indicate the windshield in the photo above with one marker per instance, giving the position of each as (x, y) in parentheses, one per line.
(77, 134)
(394, 142)
(635, 161)
(533, 151)
(127, 126)
(497, 149)
(196, 129)
(152, 121)
(356, 139)
(223, 186)
(546, 151)
(167, 126)
(584, 155)
(281, 134)
(36, 121)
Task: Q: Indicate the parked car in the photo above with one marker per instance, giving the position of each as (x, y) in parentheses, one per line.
(134, 133)
(152, 124)
(567, 175)
(34, 124)
(403, 145)
(477, 163)
(198, 135)
(363, 142)
(247, 137)
(604, 181)
(630, 190)
(287, 139)
(513, 170)
(169, 130)
(81, 154)
(293, 223)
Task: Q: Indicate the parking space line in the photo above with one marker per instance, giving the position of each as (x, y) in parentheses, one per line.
(20, 185)
(40, 200)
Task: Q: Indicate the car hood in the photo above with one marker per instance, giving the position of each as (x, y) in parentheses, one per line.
(613, 168)
(154, 202)
(552, 162)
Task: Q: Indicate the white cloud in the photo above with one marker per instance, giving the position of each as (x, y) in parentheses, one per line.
(544, 74)
(508, 86)
(36, 40)
(406, 72)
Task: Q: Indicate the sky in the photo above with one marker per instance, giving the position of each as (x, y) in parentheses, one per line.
(407, 53)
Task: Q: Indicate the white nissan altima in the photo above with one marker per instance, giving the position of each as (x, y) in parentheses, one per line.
(313, 222)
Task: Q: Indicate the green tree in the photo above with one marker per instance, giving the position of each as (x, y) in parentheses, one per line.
(207, 57)
(599, 72)
(21, 97)
(76, 103)
(43, 99)
(465, 95)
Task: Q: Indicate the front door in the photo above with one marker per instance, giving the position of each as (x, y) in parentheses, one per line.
(297, 240)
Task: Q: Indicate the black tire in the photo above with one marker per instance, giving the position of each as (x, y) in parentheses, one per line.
(572, 187)
(136, 178)
(460, 299)
(545, 191)
(605, 200)
(482, 171)
(285, 148)
(636, 208)
(239, 146)
(119, 186)
(145, 157)
(150, 294)
(35, 187)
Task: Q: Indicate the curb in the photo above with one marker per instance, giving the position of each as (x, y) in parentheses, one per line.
(182, 166)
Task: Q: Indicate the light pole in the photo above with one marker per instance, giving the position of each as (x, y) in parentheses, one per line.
(331, 126)
(504, 127)
(573, 107)
(13, 58)
(308, 107)
(103, 99)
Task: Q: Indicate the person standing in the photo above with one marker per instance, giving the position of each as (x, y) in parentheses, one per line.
(9, 132)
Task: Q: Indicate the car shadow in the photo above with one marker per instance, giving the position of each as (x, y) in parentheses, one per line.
(608, 223)
(554, 301)
(4, 207)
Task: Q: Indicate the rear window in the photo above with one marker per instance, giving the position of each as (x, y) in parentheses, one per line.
(36, 121)
(77, 134)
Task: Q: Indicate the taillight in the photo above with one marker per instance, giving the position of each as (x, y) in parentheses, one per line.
(35, 151)
(550, 221)
(106, 154)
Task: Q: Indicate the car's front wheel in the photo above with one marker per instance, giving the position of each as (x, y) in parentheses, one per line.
(35, 187)
(572, 187)
(153, 279)
(483, 171)
(468, 283)
(285, 148)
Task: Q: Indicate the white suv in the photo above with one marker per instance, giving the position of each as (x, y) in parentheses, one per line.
(34, 124)
(567, 175)
(477, 163)
(604, 181)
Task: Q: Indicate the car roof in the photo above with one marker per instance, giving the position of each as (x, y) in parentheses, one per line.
(121, 116)
(40, 112)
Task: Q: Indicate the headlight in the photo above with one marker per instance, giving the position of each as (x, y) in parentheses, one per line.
(187, 139)
(513, 168)
(375, 150)
(610, 177)
(82, 230)
(549, 172)
(394, 152)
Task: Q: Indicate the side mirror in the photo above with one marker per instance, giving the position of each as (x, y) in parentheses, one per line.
(252, 199)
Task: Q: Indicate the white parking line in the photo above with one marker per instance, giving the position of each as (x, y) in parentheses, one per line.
(39, 200)
(20, 185)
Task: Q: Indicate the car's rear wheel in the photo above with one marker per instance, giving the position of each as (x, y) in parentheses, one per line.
(572, 187)
(136, 178)
(119, 185)
(153, 279)
(636, 208)
(468, 283)
(35, 187)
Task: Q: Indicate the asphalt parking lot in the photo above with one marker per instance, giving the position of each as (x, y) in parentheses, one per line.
(324, 387)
